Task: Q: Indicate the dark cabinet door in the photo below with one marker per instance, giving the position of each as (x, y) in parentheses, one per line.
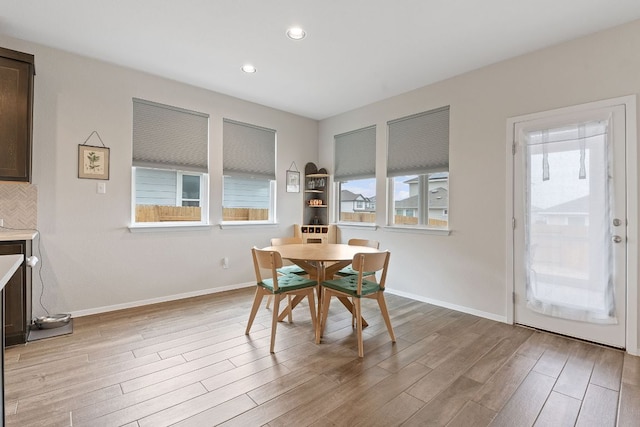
(16, 112)
(15, 319)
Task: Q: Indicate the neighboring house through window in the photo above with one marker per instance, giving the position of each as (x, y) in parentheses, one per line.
(170, 165)
(351, 202)
(438, 198)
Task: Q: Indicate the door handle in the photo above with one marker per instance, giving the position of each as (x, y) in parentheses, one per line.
(616, 239)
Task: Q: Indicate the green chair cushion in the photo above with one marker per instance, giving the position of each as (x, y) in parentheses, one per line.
(291, 269)
(288, 283)
(349, 285)
(349, 271)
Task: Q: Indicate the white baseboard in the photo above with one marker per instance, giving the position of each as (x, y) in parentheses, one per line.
(209, 291)
(463, 309)
(105, 309)
(634, 353)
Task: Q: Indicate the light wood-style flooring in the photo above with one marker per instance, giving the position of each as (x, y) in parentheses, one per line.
(189, 363)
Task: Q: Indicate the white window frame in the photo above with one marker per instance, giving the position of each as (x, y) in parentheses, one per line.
(357, 205)
(248, 160)
(422, 169)
(156, 130)
(272, 209)
(179, 191)
(423, 214)
(423, 194)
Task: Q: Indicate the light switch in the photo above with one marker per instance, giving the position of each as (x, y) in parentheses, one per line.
(102, 187)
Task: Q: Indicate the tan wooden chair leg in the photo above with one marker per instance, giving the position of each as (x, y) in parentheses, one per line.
(274, 320)
(257, 299)
(269, 298)
(385, 315)
(353, 313)
(358, 310)
(312, 309)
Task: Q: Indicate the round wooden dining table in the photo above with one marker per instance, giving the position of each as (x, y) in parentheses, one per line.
(321, 261)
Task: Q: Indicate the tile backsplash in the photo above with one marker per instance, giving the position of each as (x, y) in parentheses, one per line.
(19, 205)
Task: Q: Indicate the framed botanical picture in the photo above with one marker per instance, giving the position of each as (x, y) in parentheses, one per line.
(93, 162)
(293, 181)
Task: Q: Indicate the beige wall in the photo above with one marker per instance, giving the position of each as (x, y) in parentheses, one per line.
(468, 269)
(91, 261)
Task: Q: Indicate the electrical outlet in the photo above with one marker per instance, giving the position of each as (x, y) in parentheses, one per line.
(225, 262)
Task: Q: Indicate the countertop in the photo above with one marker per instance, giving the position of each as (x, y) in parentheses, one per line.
(6, 234)
(8, 265)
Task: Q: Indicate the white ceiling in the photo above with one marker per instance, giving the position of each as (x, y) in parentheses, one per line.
(356, 51)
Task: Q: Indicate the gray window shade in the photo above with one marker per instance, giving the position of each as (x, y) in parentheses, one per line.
(248, 150)
(355, 154)
(419, 144)
(169, 137)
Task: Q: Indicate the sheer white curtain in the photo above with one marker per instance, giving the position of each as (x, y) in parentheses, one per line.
(569, 262)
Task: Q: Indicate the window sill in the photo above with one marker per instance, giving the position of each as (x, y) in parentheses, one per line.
(168, 226)
(418, 230)
(357, 225)
(247, 224)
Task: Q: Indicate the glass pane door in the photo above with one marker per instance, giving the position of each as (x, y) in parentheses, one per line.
(570, 235)
(568, 262)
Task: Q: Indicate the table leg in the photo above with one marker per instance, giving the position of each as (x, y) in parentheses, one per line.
(321, 273)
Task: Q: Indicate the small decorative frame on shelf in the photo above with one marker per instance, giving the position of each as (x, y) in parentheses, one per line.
(93, 162)
(293, 181)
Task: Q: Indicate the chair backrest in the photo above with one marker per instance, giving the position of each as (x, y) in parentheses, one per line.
(278, 241)
(267, 260)
(364, 242)
(371, 262)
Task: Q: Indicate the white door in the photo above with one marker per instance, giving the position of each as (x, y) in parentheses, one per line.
(570, 226)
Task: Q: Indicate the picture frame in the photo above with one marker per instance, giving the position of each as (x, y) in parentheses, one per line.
(93, 162)
(293, 181)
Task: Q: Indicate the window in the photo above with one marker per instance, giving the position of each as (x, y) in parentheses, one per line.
(190, 186)
(170, 165)
(249, 168)
(355, 163)
(418, 169)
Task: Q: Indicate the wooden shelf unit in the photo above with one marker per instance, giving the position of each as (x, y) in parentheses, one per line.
(316, 196)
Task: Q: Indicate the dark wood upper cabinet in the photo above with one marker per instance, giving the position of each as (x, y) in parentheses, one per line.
(16, 114)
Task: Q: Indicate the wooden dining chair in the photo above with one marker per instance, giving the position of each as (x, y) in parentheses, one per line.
(357, 287)
(348, 270)
(287, 266)
(277, 286)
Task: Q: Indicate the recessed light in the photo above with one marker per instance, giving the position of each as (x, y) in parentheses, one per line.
(296, 33)
(248, 68)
